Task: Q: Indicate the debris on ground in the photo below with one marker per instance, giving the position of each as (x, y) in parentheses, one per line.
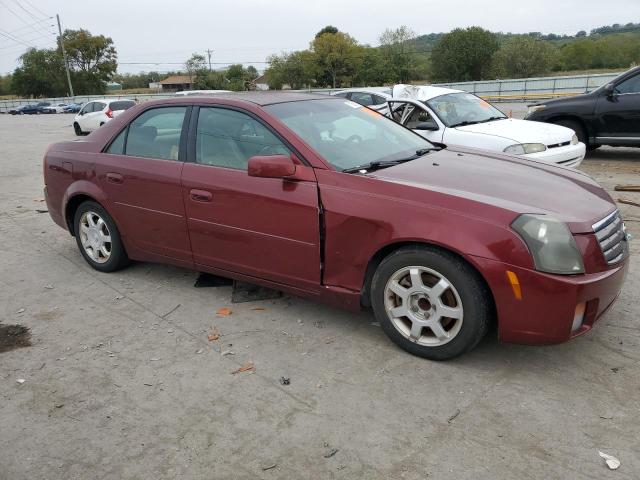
(285, 381)
(318, 324)
(14, 336)
(331, 453)
(247, 292)
(38, 210)
(199, 351)
(224, 312)
(49, 287)
(454, 416)
(205, 280)
(628, 202)
(269, 467)
(375, 324)
(20, 380)
(247, 367)
(214, 335)
(258, 308)
(20, 311)
(224, 353)
(627, 188)
(612, 462)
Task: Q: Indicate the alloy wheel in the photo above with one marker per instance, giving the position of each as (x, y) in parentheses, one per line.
(423, 305)
(95, 237)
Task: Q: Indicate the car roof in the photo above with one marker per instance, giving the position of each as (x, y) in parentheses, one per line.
(377, 90)
(421, 92)
(258, 98)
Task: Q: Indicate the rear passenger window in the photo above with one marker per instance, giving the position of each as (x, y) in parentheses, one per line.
(378, 100)
(227, 138)
(117, 146)
(156, 133)
(121, 105)
(362, 98)
(98, 106)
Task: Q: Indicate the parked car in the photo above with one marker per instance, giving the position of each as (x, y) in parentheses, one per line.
(56, 108)
(323, 198)
(98, 112)
(73, 108)
(454, 117)
(373, 97)
(183, 93)
(30, 109)
(606, 116)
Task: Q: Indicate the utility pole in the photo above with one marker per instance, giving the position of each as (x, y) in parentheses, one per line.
(64, 56)
(209, 52)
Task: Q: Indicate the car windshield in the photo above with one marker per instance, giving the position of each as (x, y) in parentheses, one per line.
(458, 109)
(347, 134)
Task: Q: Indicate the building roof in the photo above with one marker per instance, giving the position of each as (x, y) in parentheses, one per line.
(264, 78)
(176, 80)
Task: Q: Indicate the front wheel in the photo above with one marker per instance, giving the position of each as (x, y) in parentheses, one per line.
(580, 131)
(77, 129)
(98, 238)
(430, 302)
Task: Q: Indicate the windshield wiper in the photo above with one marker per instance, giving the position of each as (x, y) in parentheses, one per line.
(474, 122)
(371, 166)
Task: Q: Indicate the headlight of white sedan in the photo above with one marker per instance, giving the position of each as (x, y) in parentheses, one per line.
(525, 148)
(574, 139)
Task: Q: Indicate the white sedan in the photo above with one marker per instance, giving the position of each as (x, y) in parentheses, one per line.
(454, 117)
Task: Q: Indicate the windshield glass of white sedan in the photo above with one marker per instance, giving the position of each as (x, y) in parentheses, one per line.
(346, 134)
(455, 109)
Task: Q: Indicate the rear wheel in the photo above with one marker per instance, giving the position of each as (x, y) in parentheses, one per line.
(430, 302)
(98, 238)
(77, 129)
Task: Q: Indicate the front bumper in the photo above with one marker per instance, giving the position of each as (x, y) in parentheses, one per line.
(567, 156)
(545, 314)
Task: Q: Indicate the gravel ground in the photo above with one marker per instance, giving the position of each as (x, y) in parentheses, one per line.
(121, 382)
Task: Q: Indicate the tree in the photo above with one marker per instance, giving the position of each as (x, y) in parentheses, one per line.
(5, 84)
(196, 68)
(92, 60)
(40, 74)
(399, 52)
(335, 58)
(327, 29)
(522, 56)
(463, 55)
(292, 69)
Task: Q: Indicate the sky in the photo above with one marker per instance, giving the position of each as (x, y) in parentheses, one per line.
(160, 35)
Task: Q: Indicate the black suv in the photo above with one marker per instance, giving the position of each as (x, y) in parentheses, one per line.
(609, 115)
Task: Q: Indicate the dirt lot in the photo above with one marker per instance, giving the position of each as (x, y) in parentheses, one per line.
(121, 382)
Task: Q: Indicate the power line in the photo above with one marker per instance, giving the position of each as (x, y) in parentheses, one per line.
(37, 9)
(27, 24)
(25, 10)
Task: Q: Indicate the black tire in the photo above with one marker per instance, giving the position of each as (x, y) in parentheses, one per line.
(579, 129)
(475, 297)
(118, 256)
(77, 129)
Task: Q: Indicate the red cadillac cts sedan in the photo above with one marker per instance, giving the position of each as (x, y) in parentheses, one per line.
(323, 198)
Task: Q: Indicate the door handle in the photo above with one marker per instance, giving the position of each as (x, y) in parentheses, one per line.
(200, 195)
(115, 178)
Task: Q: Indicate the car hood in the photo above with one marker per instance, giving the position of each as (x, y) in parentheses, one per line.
(522, 131)
(509, 183)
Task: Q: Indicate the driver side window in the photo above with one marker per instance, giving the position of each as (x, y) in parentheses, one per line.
(228, 138)
(417, 117)
(631, 85)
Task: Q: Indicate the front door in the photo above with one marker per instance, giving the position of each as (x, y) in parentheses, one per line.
(412, 114)
(618, 114)
(261, 227)
(140, 172)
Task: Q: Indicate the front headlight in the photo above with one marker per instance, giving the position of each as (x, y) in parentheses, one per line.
(551, 244)
(574, 139)
(525, 148)
(535, 108)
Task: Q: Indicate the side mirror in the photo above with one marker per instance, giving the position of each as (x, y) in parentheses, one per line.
(431, 126)
(609, 89)
(271, 166)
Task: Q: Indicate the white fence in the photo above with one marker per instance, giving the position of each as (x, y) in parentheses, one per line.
(509, 90)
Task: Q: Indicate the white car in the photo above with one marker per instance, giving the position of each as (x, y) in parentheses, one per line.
(98, 112)
(55, 108)
(454, 117)
(373, 97)
(184, 93)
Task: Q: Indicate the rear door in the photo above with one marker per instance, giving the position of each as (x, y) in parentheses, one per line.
(261, 227)
(140, 172)
(618, 114)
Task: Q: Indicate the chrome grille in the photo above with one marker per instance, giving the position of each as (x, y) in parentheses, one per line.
(612, 238)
